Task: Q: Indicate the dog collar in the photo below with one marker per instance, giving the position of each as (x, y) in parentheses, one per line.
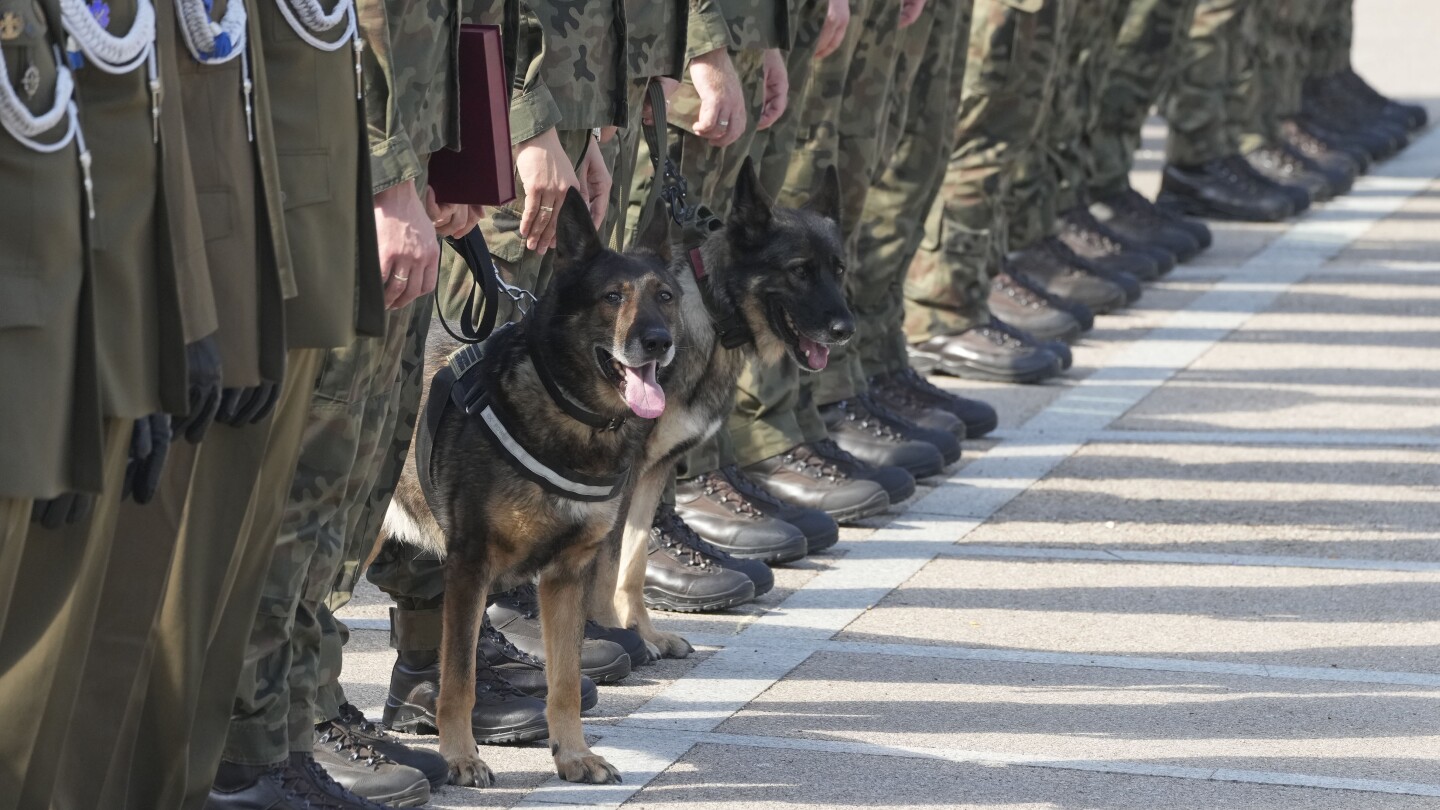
(729, 326)
(576, 411)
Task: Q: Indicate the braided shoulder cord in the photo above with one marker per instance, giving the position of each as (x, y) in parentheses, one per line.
(24, 125)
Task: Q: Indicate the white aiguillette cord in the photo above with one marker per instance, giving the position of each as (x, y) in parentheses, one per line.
(213, 43)
(25, 126)
(114, 54)
(307, 19)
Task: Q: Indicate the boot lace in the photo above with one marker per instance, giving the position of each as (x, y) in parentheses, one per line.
(804, 460)
(859, 413)
(357, 722)
(352, 746)
(1082, 225)
(1137, 207)
(747, 487)
(1004, 335)
(1025, 291)
(682, 543)
(494, 636)
(525, 598)
(717, 486)
(319, 790)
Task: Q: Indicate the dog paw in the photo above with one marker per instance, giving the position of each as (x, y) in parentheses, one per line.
(655, 653)
(588, 768)
(470, 771)
(671, 645)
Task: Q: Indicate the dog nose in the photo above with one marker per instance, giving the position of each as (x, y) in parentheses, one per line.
(841, 329)
(656, 341)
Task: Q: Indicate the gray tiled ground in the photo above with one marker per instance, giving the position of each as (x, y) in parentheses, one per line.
(1190, 666)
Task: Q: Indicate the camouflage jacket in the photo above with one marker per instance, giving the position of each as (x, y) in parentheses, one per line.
(738, 25)
(411, 83)
(656, 44)
(571, 70)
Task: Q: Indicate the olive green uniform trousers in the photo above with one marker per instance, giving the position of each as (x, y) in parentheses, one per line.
(1209, 81)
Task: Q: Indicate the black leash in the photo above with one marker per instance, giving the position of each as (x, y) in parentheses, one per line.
(472, 249)
(696, 222)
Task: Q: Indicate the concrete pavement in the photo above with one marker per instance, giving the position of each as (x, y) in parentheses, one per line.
(1203, 570)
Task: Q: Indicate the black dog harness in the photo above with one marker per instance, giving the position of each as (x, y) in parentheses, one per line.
(456, 385)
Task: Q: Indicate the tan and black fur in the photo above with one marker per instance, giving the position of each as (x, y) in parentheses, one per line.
(496, 527)
(782, 270)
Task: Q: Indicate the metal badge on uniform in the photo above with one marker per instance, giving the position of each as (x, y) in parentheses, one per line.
(12, 25)
(30, 81)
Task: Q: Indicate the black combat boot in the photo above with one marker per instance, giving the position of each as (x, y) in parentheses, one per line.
(516, 613)
(1069, 280)
(920, 411)
(820, 530)
(879, 441)
(1106, 248)
(991, 352)
(502, 714)
(735, 523)
(358, 768)
(1219, 189)
(977, 417)
(1410, 116)
(1130, 214)
(523, 670)
(274, 787)
(328, 793)
(687, 575)
(802, 476)
(1024, 303)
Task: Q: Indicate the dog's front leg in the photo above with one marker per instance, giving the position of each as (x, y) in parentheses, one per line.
(562, 622)
(634, 550)
(466, 584)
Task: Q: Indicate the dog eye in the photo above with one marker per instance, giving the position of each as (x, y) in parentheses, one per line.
(613, 297)
(800, 269)
(839, 269)
(665, 296)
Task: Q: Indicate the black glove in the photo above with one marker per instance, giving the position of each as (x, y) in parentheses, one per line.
(202, 366)
(149, 445)
(247, 406)
(70, 508)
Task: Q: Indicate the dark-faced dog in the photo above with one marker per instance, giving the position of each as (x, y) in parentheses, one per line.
(775, 276)
(519, 477)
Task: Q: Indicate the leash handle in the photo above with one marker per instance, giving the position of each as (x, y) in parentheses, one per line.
(670, 185)
(476, 254)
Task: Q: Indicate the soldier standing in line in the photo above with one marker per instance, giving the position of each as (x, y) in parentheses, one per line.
(153, 318)
(53, 453)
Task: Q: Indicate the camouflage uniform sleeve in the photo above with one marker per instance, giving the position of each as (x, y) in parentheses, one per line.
(532, 109)
(393, 159)
(706, 29)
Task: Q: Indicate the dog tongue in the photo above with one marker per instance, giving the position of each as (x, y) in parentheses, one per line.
(816, 354)
(642, 393)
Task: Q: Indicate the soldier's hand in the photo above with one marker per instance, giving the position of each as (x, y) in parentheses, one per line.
(777, 89)
(409, 252)
(910, 11)
(595, 182)
(722, 99)
(203, 377)
(63, 510)
(832, 33)
(546, 174)
(149, 446)
(247, 406)
(450, 219)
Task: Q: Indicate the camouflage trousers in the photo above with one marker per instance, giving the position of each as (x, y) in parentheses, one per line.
(1003, 101)
(1332, 36)
(1209, 85)
(1030, 200)
(919, 134)
(350, 427)
(843, 126)
(770, 414)
(415, 580)
(1146, 55)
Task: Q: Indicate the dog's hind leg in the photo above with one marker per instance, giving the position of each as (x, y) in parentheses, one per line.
(466, 584)
(634, 549)
(562, 623)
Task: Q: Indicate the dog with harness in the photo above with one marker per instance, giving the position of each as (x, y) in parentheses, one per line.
(525, 458)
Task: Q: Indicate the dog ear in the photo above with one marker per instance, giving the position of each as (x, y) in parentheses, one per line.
(656, 235)
(825, 201)
(750, 212)
(575, 237)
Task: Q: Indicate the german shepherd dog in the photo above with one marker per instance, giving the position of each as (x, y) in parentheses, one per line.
(781, 272)
(605, 330)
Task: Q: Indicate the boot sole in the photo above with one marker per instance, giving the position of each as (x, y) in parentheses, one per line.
(656, 600)
(969, 372)
(411, 719)
(417, 795)
(777, 555)
(975, 430)
(877, 505)
(618, 670)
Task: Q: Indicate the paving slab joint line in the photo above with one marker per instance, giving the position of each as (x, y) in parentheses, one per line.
(1186, 558)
